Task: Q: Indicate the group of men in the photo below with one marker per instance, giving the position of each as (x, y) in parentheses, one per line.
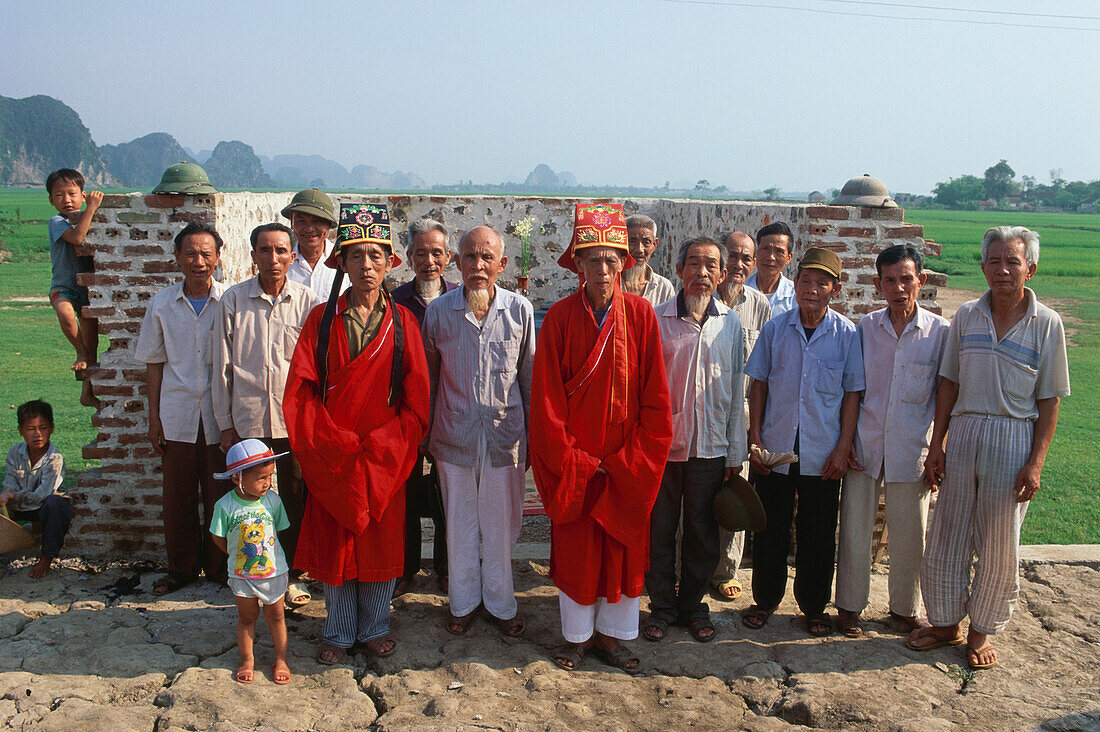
(641, 401)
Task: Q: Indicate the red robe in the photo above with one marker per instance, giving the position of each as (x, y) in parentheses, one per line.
(599, 400)
(354, 449)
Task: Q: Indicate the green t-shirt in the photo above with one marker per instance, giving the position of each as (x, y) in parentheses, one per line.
(249, 529)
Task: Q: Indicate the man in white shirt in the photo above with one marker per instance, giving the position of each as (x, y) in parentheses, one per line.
(902, 347)
(312, 216)
(176, 345)
(774, 251)
(641, 232)
(704, 355)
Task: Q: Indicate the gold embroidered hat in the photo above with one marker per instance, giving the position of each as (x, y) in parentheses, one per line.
(597, 225)
(363, 223)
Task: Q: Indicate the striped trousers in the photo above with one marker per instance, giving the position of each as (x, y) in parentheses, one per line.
(356, 612)
(977, 515)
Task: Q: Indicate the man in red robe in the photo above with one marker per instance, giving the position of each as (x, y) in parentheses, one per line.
(601, 427)
(356, 407)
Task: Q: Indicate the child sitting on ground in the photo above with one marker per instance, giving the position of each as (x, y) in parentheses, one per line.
(244, 525)
(66, 190)
(32, 486)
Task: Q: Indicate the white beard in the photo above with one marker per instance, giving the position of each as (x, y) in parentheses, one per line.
(633, 277)
(477, 300)
(429, 290)
(696, 305)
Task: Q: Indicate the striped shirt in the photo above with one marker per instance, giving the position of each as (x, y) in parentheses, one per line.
(1006, 377)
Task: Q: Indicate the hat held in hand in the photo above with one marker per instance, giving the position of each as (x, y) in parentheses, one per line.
(737, 507)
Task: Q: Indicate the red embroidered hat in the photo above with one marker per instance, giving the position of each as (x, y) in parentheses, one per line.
(246, 454)
(597, 225)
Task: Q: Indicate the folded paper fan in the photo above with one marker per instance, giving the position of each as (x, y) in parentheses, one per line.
(773, 459)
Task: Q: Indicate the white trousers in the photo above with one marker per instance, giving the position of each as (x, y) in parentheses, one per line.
(906, 522)
(977, 514)
(614, 619)
(484, 510)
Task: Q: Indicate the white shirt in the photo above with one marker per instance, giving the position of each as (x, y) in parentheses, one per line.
(173, 335)
(657, 288)
(899, 404)
(782, 299)
(704, 365)
(319, 278)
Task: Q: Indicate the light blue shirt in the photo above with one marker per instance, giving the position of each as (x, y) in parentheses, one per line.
(782, 299)
(806, 384)
(63, 259)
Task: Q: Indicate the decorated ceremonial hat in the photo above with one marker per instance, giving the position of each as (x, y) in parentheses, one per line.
(246, 454)
(825, 260)
(363, 223)
(597, 225)
(738, 508)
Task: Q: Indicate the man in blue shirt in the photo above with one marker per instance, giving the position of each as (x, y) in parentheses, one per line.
(774, 244)
(807, 371)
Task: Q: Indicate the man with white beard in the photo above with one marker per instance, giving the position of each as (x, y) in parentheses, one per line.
(480, 343)
(641, 233)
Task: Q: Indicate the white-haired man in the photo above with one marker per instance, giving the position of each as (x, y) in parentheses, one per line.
(640, 279)
(480, 342)
(1003, 373)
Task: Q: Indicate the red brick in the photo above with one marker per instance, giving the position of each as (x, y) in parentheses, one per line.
(132, 439)
(115, 200)
(91, 279)
(129, 327)
(133, 374)
(115, 390)
(113, 232)
(135, 312)
(932, 248)
(101, 422)
(837, 213)
(856, 231)
(163, 200)
(165, 235)
(161, 280)
(121, 344)
(133, 406)
(122, 468)
(126, 513)
(121, 295)
(159, 265)
(90, 312)
(909, 231)
(93, 452)
(84, 249)
(152, 499)
(113, 265)
(882, 214)
(186, 217)
(818, 229)
(140, 250)
(863, 308)
(438, 199)
(937, 279)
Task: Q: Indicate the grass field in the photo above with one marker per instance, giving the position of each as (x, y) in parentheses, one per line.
(35, 356)
(1066, 510)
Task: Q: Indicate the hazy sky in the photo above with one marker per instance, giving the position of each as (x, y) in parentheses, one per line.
(747, 94)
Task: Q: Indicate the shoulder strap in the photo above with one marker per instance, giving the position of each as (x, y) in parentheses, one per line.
(324, 333)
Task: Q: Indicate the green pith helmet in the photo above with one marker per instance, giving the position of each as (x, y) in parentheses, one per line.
(184, 178)
(312, 201)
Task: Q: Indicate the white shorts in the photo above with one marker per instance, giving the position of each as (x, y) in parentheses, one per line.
(268, 591)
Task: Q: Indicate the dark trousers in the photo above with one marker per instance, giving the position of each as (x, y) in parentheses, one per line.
(292, 492)
(422, 499)
(690, 485)
(189, 469)
(815, 533)
(56, 517)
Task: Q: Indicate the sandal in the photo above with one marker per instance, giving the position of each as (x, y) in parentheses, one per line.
(374, 645)
(245, 673)
(280, 673)
(460, 624)
(819, 626)
(619, 657)
(699, 628)
(570, 656)
(728, 591)
(330, 655)
(914, 622)
(847, 622)
(925, 639)
(654, 628)
(973, 656)
(755, 617)
(297, 595)
(400, 587)
(512, 627)
(169, 583)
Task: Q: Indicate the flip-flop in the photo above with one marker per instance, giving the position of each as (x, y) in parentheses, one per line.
(339, 654)
(728, 591)
(654, 628)
(925, 639)
(297, 595)
(618, 657)
(697, 628)
(573, 653)
(819, 626)
(972, 655)
(755, 617)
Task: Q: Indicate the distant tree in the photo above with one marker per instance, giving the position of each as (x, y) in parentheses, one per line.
(771, 194)
(667, 183)
(1000, 180)
(1056, 178)
(1028, 182)
(721, 189)
(317, 183)
(702, 185)
(962, 192)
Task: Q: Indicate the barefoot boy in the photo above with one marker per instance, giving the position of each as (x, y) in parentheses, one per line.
(66, 190)
(244, 525)
(32, 486)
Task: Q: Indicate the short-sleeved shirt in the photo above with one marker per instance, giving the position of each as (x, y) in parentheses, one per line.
(899, 403)
(781, 299)
(806, 384)
(753, 309)
(1006, 378)
(658, 289)
(31, 484)
(174, 335)
(63, 260)
(249, 529)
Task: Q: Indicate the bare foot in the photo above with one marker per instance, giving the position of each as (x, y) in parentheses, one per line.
(87, 398)
(41, 569)
(245, 671)
(80, 363)
(280, 673)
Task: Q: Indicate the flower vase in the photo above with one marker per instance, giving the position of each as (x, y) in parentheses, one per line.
(521, 283)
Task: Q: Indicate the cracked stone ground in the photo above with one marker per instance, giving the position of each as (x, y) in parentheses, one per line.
(92, 648)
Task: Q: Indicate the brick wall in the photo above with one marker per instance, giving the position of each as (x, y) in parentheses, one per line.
(118, 504)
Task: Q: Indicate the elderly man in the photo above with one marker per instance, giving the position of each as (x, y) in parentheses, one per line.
(1003, 373)
(753, 310)
(175, 345)
(640, 279)
(601, 427)
(703, 351)
(773, 253)
(312, 216)
(356, 409)
(429, 254)
(807, 372)
(254, 338)
(902, 346)
(479, 342)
